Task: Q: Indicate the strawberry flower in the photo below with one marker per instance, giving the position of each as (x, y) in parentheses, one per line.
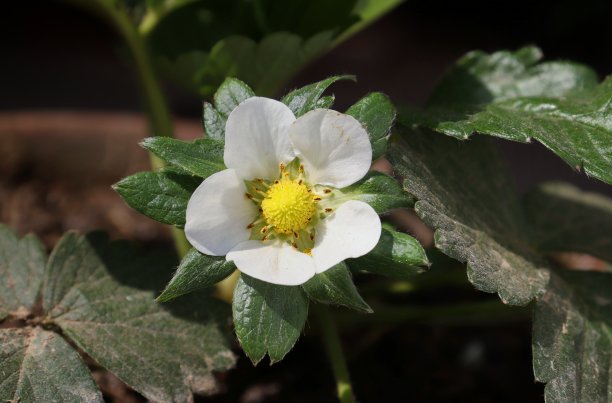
(278, 211)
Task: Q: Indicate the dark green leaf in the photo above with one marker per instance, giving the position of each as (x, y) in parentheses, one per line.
(213, 122)
(102, 294)
(567, 219)
(306, 98)
(335, 286)
(196, 271)
(268, 318)
(39, 366)
(265, 65)
(465, 194)
(479, 78)
(229, 94)
(162, 196)
(380, 191)
(377, 114)
(22, 262)
(396, 255)
(506, 95)
(202, 157)
(572, 338)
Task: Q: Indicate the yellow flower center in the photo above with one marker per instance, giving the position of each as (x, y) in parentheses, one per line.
(288, 205)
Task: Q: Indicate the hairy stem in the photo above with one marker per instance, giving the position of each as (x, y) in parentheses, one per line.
(158, 112)
(331, 340)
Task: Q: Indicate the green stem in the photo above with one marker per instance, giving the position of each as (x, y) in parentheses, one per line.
(158, 112)
(331, 339)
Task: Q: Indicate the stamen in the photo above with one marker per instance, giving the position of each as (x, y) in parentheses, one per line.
(282, 167)
(296, 235)
(294, 245)
(329, 210)
(301, 168)
(264, 229)
(249, 196)
(251, 225)
(317, 198)
(327, 191)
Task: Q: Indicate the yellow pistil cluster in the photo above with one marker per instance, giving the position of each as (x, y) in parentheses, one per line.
(288, 205)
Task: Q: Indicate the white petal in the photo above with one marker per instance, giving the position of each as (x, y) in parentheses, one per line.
(334, 147)
(218, 214)
(351, 231)
(256, 140)
(275, 262)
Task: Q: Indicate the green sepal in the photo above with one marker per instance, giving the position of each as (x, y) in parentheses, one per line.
(202, 158)
(377, 115)
(230, 94)
(268, 318)
(396, 255)
(380, 191)
(335, 287)
(195, 272)
(307, 98)
(162, 195)
(213, 122)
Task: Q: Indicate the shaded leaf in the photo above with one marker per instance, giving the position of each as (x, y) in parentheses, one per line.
(572, 338)
(380, 191)
(304, 99)
(196, 271)
(268, 318)
(162, 196)
(377, 114)
(212, 122)
(39, 366)
(101, 295)
(231, 93)
(202, 158)
(568, 219)
(335, 286)
(396, 255)
(22, 262)
(507, 95)
(465, 194)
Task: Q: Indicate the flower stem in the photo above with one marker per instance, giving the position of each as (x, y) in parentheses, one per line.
(331, 340)
(158, 112)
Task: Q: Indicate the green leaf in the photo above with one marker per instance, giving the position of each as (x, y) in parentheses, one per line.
(39, 366)
(335, 286)
(162, 196)
(229, 94)
(396, 255)
(465, 194)
(479, 78)
(213, 122)
(265, 65)
(196, 271)
(268, 317)
(380, 191)
(568, 219)
(377, 114)
(202, 157)
(506, 95)
(306, 98)
(572, 338)
(22, 262)
(102, 294)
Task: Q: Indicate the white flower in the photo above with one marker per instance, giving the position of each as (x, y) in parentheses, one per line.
(277, 211)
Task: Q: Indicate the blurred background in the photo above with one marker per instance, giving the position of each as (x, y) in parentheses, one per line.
(71, 117)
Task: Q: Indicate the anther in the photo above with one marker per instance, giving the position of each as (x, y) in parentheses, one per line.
(294, 245)
(265, 238)
(301, 168)
(296, 235)
(276, 182)
(282, 167)
(327, 191)
(316, 198)
(312, 237)
(264, 230)
(300, 182)
(251, 225)
(260, 210)
(328, 210)
(248, 195)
